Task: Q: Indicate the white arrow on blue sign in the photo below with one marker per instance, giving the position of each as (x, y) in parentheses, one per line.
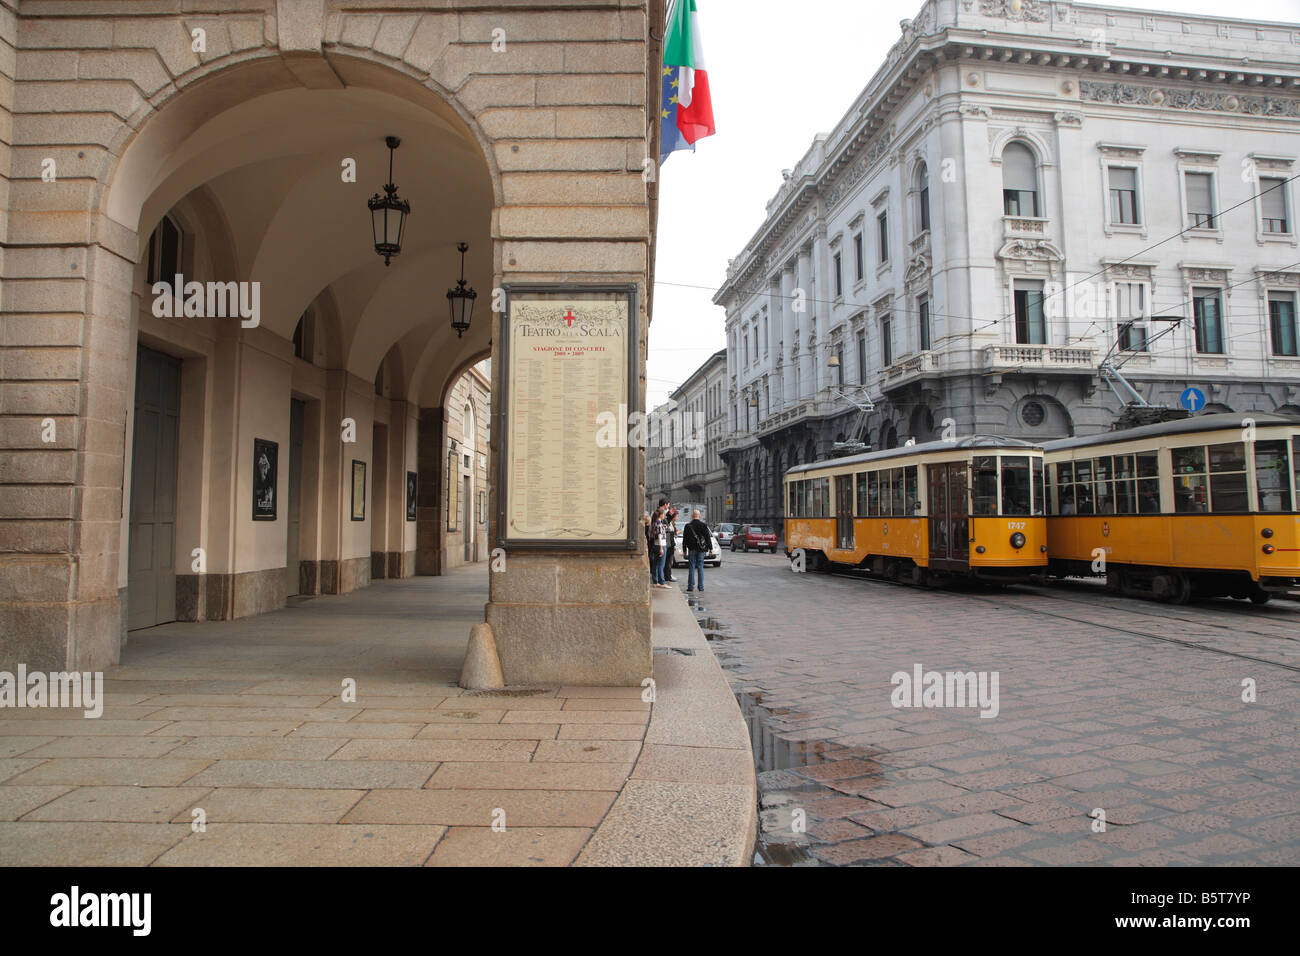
(1192, 399)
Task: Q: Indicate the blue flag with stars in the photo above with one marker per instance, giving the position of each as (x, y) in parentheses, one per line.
(670, 137)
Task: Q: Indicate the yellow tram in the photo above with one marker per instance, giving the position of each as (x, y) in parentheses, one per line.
(922, 513)
(1203, 506)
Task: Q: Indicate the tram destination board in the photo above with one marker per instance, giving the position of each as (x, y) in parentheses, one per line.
(567, 393)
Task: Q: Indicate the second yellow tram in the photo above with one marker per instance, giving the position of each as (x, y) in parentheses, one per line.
(922, 513)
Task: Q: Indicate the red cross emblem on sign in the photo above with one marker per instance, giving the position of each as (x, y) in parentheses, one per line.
(1105, 529)
(569, 317)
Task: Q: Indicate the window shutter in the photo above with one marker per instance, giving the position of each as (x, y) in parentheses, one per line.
(1198, 193)
(1018, 168)
(1272, 195)
(1121, 177)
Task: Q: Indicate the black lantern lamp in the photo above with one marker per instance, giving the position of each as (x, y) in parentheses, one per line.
(388, 212)
(460, 299)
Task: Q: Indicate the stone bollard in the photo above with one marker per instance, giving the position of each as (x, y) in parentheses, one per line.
(482, 667)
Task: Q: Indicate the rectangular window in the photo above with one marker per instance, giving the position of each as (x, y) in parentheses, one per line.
(839, 275)
(1273, 205)
(1208, 315)
(882, 226)
(839, 365)
(1083, 487)
(1191, 491)
(896, 481)
(858, 259)
(1123, 195)
(1040, 492)
(1064, 488)
(862, 494)
(984, 485)
(910, 493)
(1103, 486)
(1281, 321)
(1228, 477)
(1031, 328)
(1272, 476)
(1015, 485)
(873, 493)
(923, 318)
(886, 346)
(1131, 315)
(862, 358)
(1200, 200)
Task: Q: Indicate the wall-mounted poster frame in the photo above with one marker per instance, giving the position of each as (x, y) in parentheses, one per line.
(569, 387)
(358, 490)
(411, 483)
(453, 488)
(266, 467)
(480, 514)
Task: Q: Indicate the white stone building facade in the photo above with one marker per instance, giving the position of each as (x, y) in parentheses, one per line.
(1007, 216)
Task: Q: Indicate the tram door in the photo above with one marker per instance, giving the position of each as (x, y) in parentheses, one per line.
(949, 514)
(844, 513)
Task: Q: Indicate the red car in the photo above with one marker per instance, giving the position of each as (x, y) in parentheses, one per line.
(754, 537)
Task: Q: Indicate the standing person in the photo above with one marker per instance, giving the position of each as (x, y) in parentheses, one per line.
(670, 522)
(657, 534)
(649, 545)
(696, 538)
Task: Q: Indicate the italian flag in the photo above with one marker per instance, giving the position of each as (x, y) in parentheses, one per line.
(684, 51)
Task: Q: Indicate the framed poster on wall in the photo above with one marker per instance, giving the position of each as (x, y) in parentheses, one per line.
(358, 490)
(410, 495)
(266, 463)
(568, 392)
(453, 489)
(480, 515)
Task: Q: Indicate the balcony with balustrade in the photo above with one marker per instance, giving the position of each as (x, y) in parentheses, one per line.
(1010, 358)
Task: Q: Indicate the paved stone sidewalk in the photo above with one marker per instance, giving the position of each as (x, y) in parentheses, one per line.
(1104, 705)
(246, 722)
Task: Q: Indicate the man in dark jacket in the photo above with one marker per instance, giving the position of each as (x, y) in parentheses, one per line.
(670, 523)
(697, 539)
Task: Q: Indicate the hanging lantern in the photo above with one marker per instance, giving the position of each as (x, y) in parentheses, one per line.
(461, 299)
(388, 212)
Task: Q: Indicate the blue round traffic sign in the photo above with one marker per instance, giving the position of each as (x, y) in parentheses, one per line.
(1192, 399)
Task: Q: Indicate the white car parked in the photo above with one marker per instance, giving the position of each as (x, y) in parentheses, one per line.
(713, 557)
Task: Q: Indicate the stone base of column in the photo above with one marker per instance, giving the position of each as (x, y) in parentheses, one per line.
(562, 620)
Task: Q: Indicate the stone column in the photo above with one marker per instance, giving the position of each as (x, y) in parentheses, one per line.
(808, 381)
(431, 469)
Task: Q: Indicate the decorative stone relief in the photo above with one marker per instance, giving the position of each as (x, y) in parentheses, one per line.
(1028, 11)
(860, 168)
(1030, 249)
(1184, 99)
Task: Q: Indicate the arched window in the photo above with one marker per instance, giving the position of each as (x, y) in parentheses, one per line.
(923, 197)
(164, 257)
(1019, 181)
(304, 336)
(469, 429)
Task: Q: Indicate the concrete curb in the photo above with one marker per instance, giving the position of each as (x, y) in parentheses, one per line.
(691, 799)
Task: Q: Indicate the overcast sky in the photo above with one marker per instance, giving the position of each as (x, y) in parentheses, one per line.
(780, 73)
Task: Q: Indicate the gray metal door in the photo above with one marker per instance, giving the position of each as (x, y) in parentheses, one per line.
(151, 567)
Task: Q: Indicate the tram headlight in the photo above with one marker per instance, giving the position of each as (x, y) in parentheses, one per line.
(979, 549)
(1017, 540)
(1267, 533)
(1269, 549)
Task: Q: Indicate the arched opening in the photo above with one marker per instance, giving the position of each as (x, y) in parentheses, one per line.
(281, 400)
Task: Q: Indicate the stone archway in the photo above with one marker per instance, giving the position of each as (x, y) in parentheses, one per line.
(257, 131)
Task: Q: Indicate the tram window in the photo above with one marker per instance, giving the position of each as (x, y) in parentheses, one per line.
(873, 494)
(1148, 495)
(1125, 499)
(862, 494)
(1065, 488)
(1124, 467)
(913, 498)
(1272, 476)
(827, 507)
(1191, 492)
(1228, 477)
(1039, 490)
(984, 485)
(896, 480)
(1015, 484)
(1148, 464)
(1103, 488)
(1083, 487)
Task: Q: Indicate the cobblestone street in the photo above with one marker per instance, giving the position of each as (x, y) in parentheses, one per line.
(1112, 704)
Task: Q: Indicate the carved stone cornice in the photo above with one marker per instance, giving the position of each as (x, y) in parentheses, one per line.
(1027, 249)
